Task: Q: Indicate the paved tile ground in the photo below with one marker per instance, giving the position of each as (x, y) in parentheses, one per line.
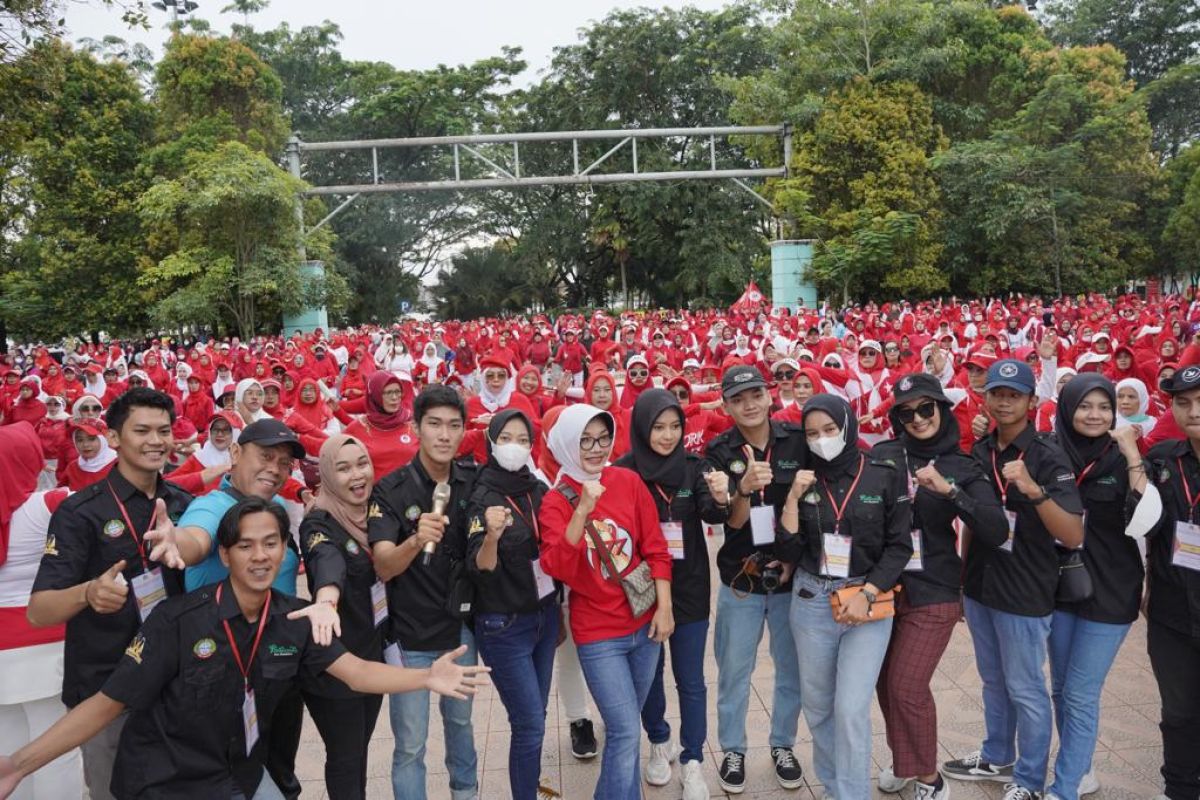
(1127, 758)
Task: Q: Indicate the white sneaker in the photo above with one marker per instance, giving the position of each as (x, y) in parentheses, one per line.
(1089, 784)
(657, 771)
(692, 778)
(927, 791)
(888, 782)
(1014, 791)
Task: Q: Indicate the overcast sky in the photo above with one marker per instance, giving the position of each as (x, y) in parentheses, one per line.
(407, 34)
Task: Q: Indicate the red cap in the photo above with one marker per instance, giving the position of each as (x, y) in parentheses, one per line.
(92, 427)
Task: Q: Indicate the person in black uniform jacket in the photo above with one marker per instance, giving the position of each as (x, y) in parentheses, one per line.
(97, 557)
(945, 484)
(845, 523)
(686, 497)
(1086, 634)
(340, 572)
(516, 604)
(1173, 584)
(761, 457)
(207, 666)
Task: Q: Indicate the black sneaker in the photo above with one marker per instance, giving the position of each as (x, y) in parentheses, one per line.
(732, 774)
(583, 739)
(972, 767)
(787, 768)
(1014, 792)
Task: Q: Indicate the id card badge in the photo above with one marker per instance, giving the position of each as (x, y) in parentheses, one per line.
(1186, 550)
(837, 555)
(917, 562)
(1011, 516)
(250, 720)
(379, 602)
(543, 582)
(762, 525)
(673, 533)
(149, 591)
(391, 655)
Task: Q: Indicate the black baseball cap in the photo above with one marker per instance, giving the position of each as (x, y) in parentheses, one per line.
(919, 384)
(1184, 380)
(739, 379)
(271, 433)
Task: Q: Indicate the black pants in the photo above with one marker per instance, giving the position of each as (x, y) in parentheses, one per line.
(345, 725)
(283, 740)
(1175, 659)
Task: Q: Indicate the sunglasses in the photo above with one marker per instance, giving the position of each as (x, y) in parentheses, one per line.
(785, 374)
(85, 409)
(867, 352)
(639, 373)
(925, 410)
(891, 349)
(682, 394)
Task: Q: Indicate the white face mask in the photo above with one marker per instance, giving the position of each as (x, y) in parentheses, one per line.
(511, 456)
(827, 448)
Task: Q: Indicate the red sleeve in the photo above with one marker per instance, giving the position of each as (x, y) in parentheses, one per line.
(54, 498)
(559, 558)
(291, 490)
(356, 405)
(838, 377)
(190, 482)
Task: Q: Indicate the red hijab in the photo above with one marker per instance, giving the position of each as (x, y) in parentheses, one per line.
(20, 462)
(375, 414)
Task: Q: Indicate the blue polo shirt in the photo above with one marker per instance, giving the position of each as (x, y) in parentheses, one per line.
(206, 512)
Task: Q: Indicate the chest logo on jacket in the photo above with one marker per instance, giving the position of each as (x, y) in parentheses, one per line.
(619, 545)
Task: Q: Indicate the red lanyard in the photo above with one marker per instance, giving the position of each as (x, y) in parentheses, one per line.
(1002, 486)
(530, 522)
(262, 626)
(1187, 490)
(668, 499)
(129, 524)
(1083, 475)
(840, 511)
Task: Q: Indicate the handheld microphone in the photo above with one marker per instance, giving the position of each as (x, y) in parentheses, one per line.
(441, 499)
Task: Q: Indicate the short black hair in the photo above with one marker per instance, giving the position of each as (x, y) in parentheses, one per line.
(138, 397)
(436, 395)
(229, 530)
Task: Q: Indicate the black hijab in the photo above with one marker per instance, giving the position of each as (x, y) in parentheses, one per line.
(839, 410)
(942, 443)
(669, 470)
(1084, 450)
(497, 477)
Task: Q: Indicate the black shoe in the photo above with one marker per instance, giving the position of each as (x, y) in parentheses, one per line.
(583, 739)
(972, 767)
(732, 774)
(787, 768)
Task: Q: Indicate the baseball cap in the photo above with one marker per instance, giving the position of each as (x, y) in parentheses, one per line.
(739, 379)
(271, 433)
(1012, 374)
(1184, 380)
(92, 427)
(919, 384)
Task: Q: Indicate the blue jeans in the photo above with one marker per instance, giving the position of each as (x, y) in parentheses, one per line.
(687, 664)
(409, 713)
(619, 672)
(520, 650)
(739, 630)
(839, 666)
(1010, 651)
(1081, 653)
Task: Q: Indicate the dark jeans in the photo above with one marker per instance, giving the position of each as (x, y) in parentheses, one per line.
(1175, 659)
(520, 650)
(345, 725)
(687, 664)
(283, 740)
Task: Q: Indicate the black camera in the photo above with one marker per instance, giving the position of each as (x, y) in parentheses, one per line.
(755, 565)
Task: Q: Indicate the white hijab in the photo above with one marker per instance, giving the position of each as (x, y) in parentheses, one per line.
(209, 455)
(102, 459)
(498, 400)
(563, 439)
(1147, 423)
(240, 392)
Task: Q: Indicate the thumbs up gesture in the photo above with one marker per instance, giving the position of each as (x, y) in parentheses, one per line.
(758, 473)
(165, 548)
(107, 594)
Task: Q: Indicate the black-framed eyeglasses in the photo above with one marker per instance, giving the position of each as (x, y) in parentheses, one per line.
(785, 374)
(592, 442)
(925, 410)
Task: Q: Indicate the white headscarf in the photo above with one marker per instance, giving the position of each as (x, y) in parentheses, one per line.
(1147, 423)
(430, 357)
(240, 392)
(182, 383)
(138, 373)
(209, 455)
(563, 439)
(62, 411)
(493, 402)
(102, 459)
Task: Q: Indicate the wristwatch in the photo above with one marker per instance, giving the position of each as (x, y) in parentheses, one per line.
(1039, 500)
(952, 495)
(867, 593)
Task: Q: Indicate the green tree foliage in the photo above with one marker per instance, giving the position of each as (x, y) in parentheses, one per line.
(74, 186)
(482, 281)
(227, 231)
(1052, 199)
(212, 90)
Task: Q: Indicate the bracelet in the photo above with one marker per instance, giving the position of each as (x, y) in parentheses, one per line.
(1138, 467)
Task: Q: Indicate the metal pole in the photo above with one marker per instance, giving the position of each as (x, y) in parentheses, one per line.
(293, 157)
(787, 149)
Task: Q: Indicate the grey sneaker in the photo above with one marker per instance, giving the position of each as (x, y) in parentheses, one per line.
(1089, 784)
(972, 767)
(888, 782)
(929, 791)
(1014, 792)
